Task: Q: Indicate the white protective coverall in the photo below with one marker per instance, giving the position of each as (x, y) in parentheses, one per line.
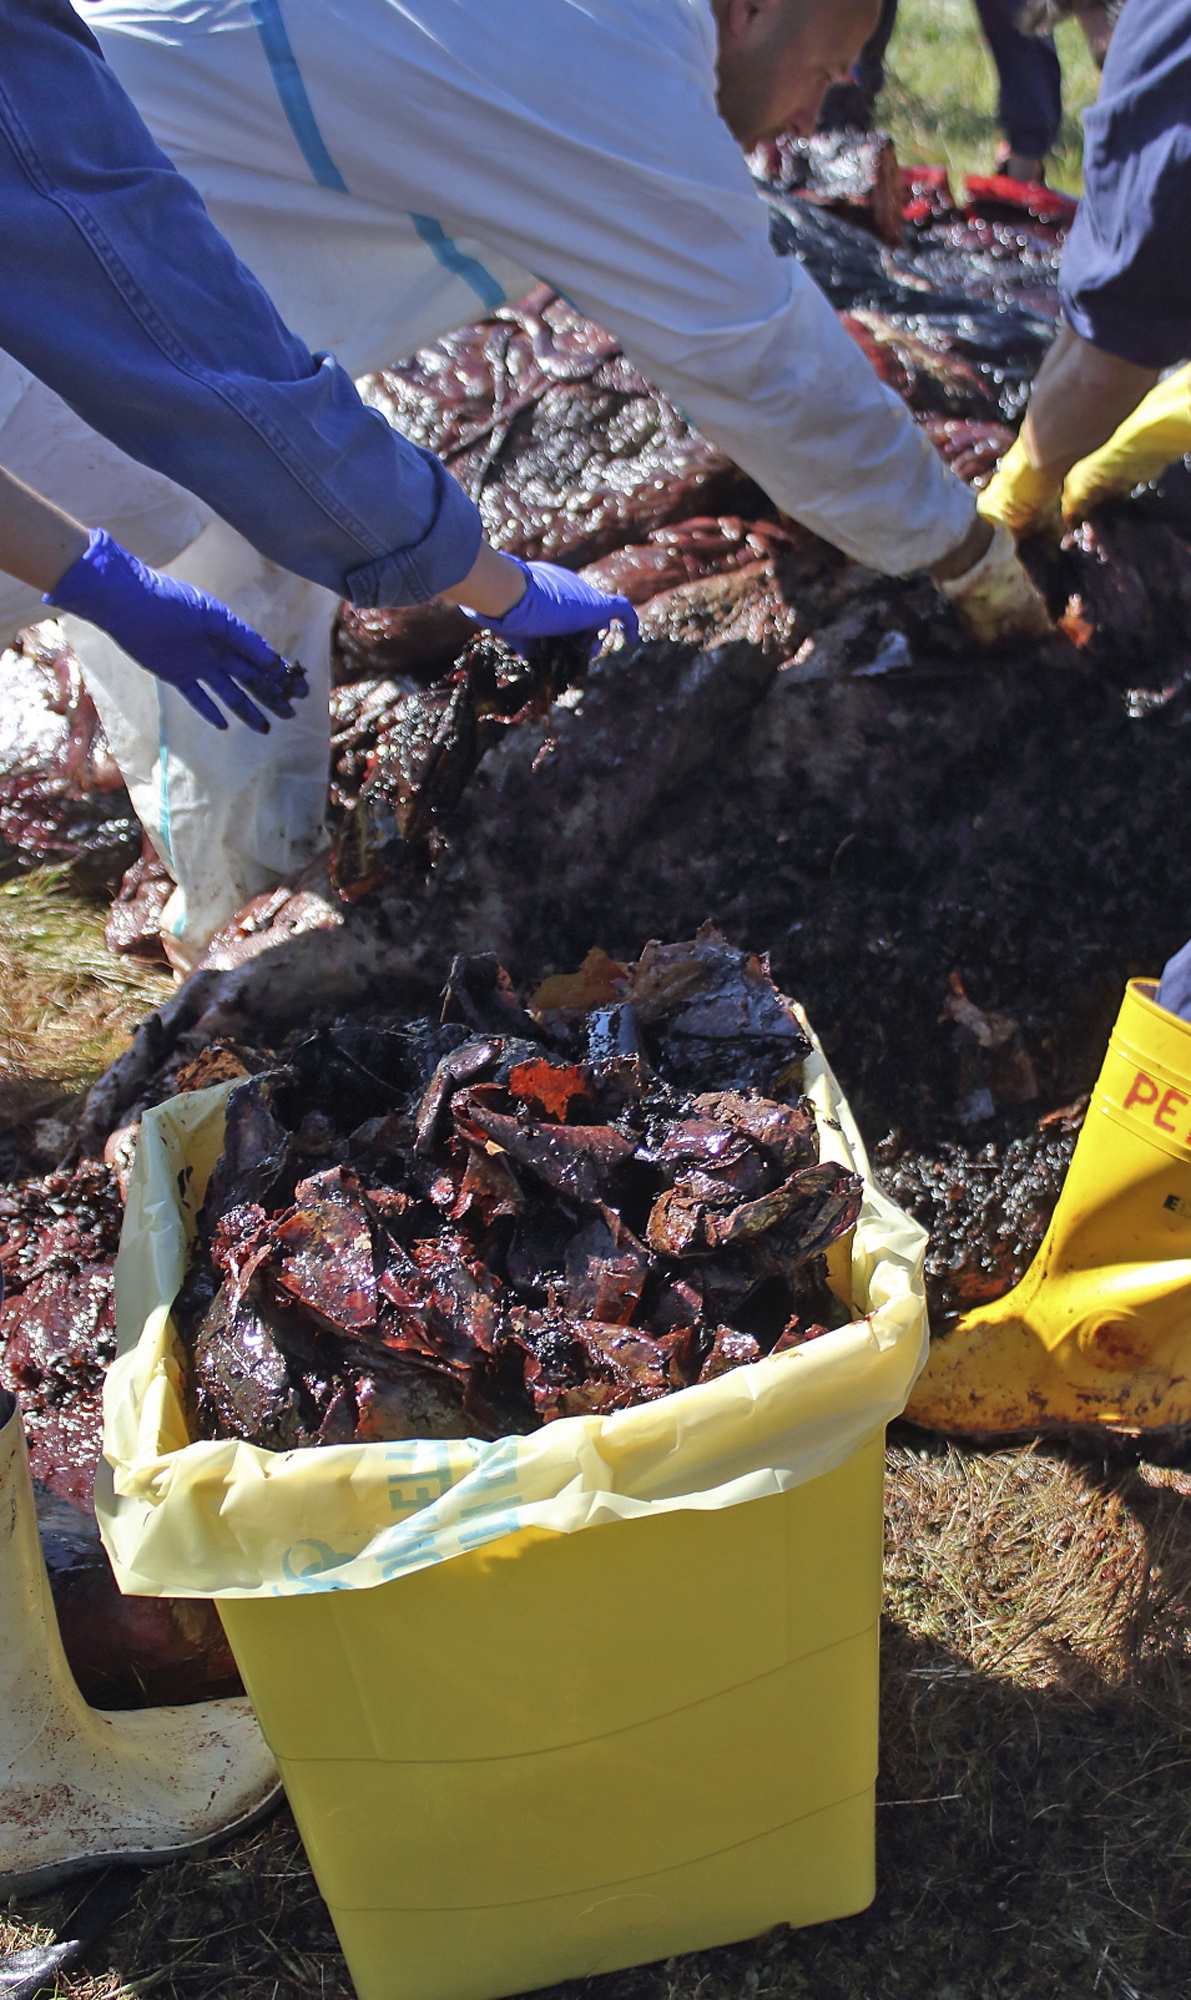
(226, 825)
(393, 168)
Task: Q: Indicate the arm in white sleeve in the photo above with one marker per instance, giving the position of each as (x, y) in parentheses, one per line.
(596, 158)
(579, 141)
(659, 234)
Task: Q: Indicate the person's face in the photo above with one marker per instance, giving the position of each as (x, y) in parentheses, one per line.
(777, 60)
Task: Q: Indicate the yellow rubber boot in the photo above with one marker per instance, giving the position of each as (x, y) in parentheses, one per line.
(1097, 1336)
(1140, 449)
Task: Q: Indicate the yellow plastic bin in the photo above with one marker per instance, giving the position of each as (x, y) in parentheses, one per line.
(564, 1703)
(567, 1753)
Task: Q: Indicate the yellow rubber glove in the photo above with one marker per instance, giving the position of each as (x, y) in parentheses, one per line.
(1158, 432)
(1020, 497)
(995, 599)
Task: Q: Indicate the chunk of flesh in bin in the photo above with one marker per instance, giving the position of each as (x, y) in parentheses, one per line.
(564, 1208)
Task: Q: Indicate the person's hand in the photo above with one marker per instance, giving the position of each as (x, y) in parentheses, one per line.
(555, 600)
(1140, 449)
(995, 598)
(1020, 496)
(180, 634)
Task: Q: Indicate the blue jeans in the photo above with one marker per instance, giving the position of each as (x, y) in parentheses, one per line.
(1031, 83)
(121, 295)
(1030, 102)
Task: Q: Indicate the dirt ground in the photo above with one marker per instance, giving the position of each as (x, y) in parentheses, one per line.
(1033, 1835)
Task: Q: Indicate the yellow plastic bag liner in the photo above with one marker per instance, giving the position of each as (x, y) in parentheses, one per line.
(561, 1703)
(225, 1519)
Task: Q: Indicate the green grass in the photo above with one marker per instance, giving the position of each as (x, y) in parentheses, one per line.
(67, 1004)
(941, 93)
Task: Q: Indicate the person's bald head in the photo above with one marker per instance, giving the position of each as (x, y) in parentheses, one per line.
(777, 59)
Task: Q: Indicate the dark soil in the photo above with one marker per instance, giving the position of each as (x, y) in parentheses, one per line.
(954, 860)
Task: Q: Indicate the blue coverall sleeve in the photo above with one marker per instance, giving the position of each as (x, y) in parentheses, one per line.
(120, 294)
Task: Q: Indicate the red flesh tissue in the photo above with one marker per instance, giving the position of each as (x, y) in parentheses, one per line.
(537, 1227)
(58, 1241)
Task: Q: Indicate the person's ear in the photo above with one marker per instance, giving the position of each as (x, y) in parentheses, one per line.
(744, 23)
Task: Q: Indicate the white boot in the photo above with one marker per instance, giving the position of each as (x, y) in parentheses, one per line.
(79, 1787)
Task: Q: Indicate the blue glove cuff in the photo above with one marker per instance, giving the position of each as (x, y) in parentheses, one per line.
(506, 627)
(556, 601)
(85, 590)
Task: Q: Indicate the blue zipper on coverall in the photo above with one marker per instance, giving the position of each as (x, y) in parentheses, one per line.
(299, 112)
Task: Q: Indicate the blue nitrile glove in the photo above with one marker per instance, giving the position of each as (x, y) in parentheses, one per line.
(556, 600)
(178, 633)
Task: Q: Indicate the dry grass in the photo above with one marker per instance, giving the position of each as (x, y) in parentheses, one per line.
(1034, 1836)
(247, 1922)
(18, 1936)
(67, 1005)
